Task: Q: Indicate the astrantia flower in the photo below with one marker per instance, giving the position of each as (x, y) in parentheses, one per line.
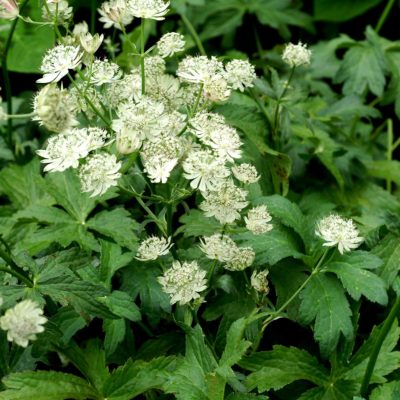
(57, 10)
(199, 69)
(58, 61)
(204, 170)
(154, 66)
(23, 322)
(149, 9)
(97, 137)
(216, 88)
(225, 202)
(64, 151)
(296, 54)
(159, 171)
(259, 281)
(89, 42)
(218, 247)
(9, 9)
(240, 74)
(153, 247)
(241, 259)
(104, 71)
(170, 43)
(225, 142)
(245, 173)
(183, 282)
(55, 109)
(257, 220)
(115, 13)
(338, 231)
(204, 124)
(100, 172)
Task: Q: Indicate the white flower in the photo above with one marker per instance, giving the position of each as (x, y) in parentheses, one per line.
(245, 173)
(104, 71)
(240, 74)
(204, 170)
(58, 61)
(216, 88)
(127, 141)
(199, 69)
(259, 281)
(241, 259)
(149, 9)
(296, 54)
(159, 171)
(115, 13)
(225, 142)
(96, 137)
(154, 66)
(218, 247)
(81, 28)
(153, 247)
(55, 109)
(170, 43)
(337, 231)
(204, 124)
(23, 322)
(58, 9)
(257, 220)
(89, 42)
(224, 203)
(100, 172)
(64, 151)
(9, 9)
(183, 282)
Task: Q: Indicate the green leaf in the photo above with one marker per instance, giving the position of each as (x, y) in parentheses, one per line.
(121, 304)
(363, 66)
(323, 299)
(118, 225)
(281, 366)
(46, 385)
(195, 223)
(384, 169)
(29, 42)
(69, 322)
(138, 377)
(114, 330)
(387, 391)
(287, 212)
(352, 270)
(222, 23)
(389, 251)
(24, 185)
(341, 10)
(272, 246)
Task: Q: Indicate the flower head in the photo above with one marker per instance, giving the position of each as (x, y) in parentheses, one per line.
(338, 231)
(115, 14)
(218, 247)
(9, 9)
(296, 54)
(100, 172)
(170, 43)
(245, 173)
(149, 9)
(153, 247)
(57, 10)
(58, 61)
(183, 282)
(199, 69)
(240, 74)
(241, 259)
(259, 281)
(159, 171)
(23, 322)
(90, 43)
(104, 71)
(257, 220)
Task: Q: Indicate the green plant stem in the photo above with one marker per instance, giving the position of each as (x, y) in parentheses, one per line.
(275, 125)
(260, 106)
(194, 34)
(6, 75)
(142, 55)
(14, 269)
(377, 346)
(198, 98)
(384, 15)
(21, 116)
(129, 162)
(389, 152)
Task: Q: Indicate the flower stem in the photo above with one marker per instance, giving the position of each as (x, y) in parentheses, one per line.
(384, 15)
(198, 98)
(194, 34)
(142, 55)
(389, 152)
(6, 75)
(377, 346)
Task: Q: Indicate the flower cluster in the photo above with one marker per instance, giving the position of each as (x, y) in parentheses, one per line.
(23, 322)
(296, 55)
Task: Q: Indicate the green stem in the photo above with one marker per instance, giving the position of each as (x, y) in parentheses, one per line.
(212, 269)
(21, 116)
(153, 216)
(377, 346)
(6, 75)
(14, 269)
(194, 34)
(384, 15)
(389, 152)
(142, 55)
(275, 126)
(129, 162)
(260, 106)
(198, 98)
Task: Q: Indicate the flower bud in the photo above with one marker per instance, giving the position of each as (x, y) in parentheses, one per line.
(89, 42)
(127, 143)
